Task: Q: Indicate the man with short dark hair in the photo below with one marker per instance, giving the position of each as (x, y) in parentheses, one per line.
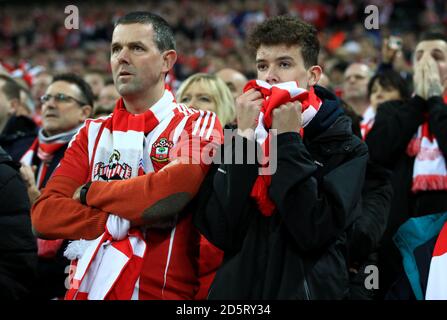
(410, 138)
(126, 180)
(286, 239)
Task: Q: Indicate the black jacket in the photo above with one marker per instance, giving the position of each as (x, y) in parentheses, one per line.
(18, 250)
(300, 251)
(18, 136)
(395, 124)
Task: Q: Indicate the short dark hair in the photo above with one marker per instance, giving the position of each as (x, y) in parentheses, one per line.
(164, 36)
(391, 79)
(433, 35)
(83, 86)
(289, 31)
(10, 88)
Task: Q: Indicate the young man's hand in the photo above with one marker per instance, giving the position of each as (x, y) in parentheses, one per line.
(248, 106)
(287, 117)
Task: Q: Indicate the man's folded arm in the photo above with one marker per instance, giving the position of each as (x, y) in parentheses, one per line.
(149, 199)
(55, 215)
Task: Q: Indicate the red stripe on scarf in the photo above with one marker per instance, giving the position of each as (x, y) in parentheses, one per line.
(274, 97)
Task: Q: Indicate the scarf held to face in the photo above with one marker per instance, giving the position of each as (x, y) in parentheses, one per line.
(275, 96)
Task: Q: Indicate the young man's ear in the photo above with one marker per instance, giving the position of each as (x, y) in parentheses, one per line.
(314, 75)
(169, 59)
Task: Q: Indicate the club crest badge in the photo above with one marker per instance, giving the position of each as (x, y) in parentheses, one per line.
(161, 150)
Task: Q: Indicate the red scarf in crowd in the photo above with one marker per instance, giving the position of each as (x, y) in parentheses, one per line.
(45, 148)
(429, 170)
(367, 121)
(275, 96)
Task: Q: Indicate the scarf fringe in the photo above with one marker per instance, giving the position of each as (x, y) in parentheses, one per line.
(76, 249)
(429, 182)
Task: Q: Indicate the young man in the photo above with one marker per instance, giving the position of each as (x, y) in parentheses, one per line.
(296, 251)
(410, 138)
(130, 161)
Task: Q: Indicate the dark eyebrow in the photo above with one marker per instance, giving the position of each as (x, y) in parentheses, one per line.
(130, 44)
(282, 58)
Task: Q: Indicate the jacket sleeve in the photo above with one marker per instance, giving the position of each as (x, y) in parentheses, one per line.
(437, 119)
(18, 249)
(315, 214)
(158, 197)
(368, 228)
(55, 215)
(223, 213)
(395, 124)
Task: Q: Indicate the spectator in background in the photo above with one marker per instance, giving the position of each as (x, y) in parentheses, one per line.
(96, 81)
(384, 86)
(17, 129)
(234, 79)
(355, 87)
(410, 138)
(106, 101)
(18, 250)
(40, 84)
(66, 104)
(208, 92)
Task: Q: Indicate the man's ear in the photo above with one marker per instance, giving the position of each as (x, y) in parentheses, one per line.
(314, 74)
(86, 112)
(169, 59)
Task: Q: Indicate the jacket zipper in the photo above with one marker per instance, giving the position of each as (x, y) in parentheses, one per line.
(306, 289)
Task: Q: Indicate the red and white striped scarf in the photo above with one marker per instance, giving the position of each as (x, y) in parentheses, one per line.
(109, 267)
(367, 122)
(274, 96)
(437, 276)
(45, 148)
(429, 169)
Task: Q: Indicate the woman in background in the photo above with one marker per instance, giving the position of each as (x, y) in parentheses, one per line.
(207, 92)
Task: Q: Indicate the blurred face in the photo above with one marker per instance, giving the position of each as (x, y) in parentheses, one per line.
(380, 94)
(355, 85)
(60, 116)
(108, 96)
(137, 64)
(234, 80)
(40, 84)
(281, 63)
(5, 108)
(96, 82)
(436, 49)
(197, 95)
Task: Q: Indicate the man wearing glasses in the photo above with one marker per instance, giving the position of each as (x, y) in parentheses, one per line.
(66, 104)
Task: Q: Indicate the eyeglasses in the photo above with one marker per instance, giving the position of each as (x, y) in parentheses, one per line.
(60, 98)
